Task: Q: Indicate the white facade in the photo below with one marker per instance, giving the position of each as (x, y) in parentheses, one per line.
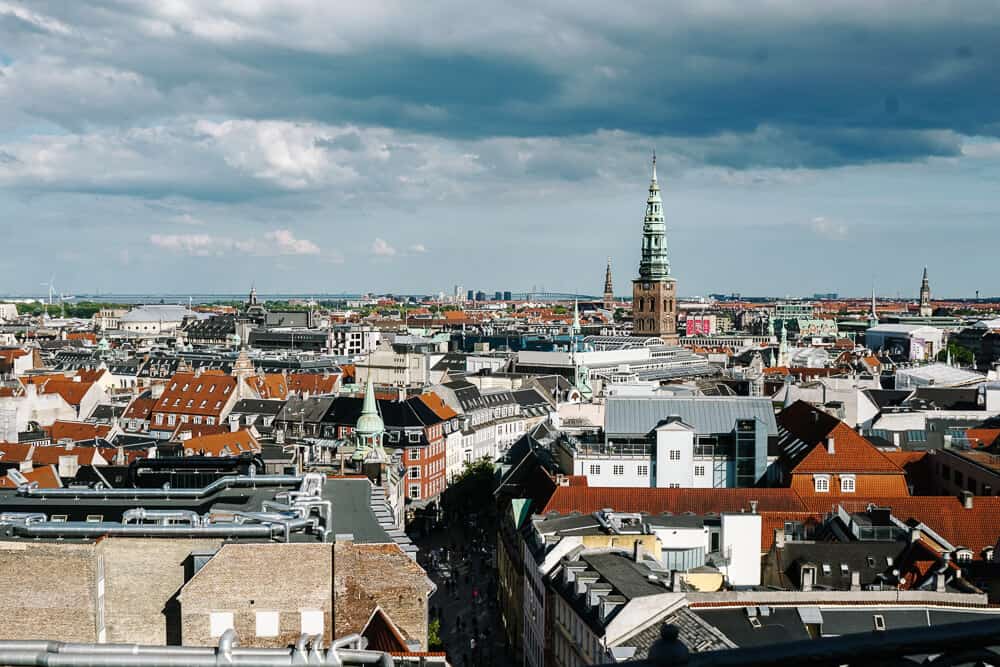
(44, 409)
(8, 312)
(675, 455)
(740, 547)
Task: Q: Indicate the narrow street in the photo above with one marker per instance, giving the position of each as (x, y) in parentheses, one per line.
(460, 560)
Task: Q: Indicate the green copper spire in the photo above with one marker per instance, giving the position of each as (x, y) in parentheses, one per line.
(370, 422)
(655, 264)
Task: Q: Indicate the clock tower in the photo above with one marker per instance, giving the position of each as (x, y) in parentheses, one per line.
(654, 292)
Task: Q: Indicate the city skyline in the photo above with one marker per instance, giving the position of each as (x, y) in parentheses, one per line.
(303, 146)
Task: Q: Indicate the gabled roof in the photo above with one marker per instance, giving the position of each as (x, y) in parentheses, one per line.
(313, 383)
(196, 394)
(271, 385)
(805, 444)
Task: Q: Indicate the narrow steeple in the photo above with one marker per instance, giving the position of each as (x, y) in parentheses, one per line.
(576, 318)
(926, 310)
(609, 292)
(655, 263)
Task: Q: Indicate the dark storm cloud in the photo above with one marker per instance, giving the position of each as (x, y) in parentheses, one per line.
(846, 84)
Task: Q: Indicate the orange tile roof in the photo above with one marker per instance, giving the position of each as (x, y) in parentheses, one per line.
(15, 452)
(90, 374)
(204, 394)
(437, 406)
(982, 437)
(10, 354)
(222, 444)
(864, 485)
(271, 385)
(71, 391)
(62, 430)
(314, 383)
(588, 499)
(139, 408)
(852, 452)
(50, 454)
(46, 477)
(975, 528)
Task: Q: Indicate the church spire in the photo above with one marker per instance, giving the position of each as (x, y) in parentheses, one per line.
(926, 310)
(609, 291)
(655, 263)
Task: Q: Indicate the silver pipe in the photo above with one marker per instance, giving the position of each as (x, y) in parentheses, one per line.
(266, 528)
(141, 513)
(23, 517)
(221, 483)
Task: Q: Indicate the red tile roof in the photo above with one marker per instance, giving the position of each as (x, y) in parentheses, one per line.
(140, 408)
(63, 430)
(191, 394)
(437, 406)
(222, 444)
(851, 453)
(982, 437)
(272, 385)
(584, 499)
(975, 528)
(46, 477)
(313, 383)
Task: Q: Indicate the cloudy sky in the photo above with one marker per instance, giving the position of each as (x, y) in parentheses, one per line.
(187, 146)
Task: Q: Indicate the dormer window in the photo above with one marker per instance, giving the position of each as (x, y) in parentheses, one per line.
(211, 388)
(963, 555)
(847, 483)
(822, 483)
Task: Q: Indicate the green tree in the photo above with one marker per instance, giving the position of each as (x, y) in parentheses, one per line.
(434, 642)
(959, 355)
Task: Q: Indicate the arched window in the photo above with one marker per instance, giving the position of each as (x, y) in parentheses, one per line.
(652, 304)
(666, 304)
(651, 325)
(640, 304)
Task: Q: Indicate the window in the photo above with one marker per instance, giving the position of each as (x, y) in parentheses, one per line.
(699, 471)
(847, 484)
(267, 624)
(827, 569)
(879, 622)
(642, 471)
(675, 455)
(171, 420)
(197, 420)
(210, 421)
(674, 486)
(312, 622)
(219, 622)
(755, 622)
(414, 472)
(595, 469)
(414, 492)
(413, 436)
(617, 469)
(843, 568)
(822, 483)
(414, 454)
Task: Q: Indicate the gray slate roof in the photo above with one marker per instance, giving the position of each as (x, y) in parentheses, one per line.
(706, 414)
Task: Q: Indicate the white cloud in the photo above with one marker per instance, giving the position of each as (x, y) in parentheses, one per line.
(286, 243)
(828, 229)
(418, 248)
(273, 243)
(381, 248)
(187, 219)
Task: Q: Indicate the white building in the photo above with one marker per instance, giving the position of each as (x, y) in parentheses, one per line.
(17, 412)
(680, 442)
(915, 342)
(155, 319)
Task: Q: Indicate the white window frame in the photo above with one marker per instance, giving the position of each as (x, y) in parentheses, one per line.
(312, 621)
(618, 469)
(675, 455)
(848, 484)
(699, 471)
(642, 470)
(595, 469)
(821, 483)
(219, 622)
(268, 623)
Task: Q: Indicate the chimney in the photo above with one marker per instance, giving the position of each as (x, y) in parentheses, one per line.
(855, 580)
(939, 582)
(967, 499)
(830, 446)
(637, 551)
(753, 507)
(915, 535)
(675, 582)
(779, 538)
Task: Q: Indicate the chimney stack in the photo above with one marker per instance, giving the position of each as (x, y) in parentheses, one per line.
(967, 499)
(637, 551)
(779, 538)
(830, 446)
(855, 580)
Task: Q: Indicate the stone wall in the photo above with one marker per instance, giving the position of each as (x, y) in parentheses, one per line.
(48, 591)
